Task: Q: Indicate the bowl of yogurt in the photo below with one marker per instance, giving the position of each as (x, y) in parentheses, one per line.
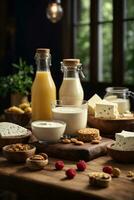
(49, 131)
(75, 116)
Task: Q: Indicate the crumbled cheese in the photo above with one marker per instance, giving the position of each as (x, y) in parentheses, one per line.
(106, 110)
(92, 103)
(8, 129)
(124, 141)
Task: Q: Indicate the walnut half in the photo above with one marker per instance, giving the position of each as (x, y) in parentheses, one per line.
(37, 162)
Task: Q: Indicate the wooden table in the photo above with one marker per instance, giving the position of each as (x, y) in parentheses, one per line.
(52, 184)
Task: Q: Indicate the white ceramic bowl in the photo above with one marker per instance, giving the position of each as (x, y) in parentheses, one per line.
(50, 131)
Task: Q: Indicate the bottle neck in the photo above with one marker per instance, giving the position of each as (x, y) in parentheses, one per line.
(43, 64)
(70, 73)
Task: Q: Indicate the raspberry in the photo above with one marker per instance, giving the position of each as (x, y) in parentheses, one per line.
(108, 169)
(59, 165)
(71, 173)
(81, 165)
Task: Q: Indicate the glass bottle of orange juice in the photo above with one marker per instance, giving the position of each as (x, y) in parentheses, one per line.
(43, 88)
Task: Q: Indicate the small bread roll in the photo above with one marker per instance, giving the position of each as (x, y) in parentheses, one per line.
(24, 105)
(15, 109)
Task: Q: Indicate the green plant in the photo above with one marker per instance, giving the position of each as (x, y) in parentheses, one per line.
(19, 82)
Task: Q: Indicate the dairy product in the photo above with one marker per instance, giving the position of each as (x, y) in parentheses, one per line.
(71, 92)
(92, 103)
(106, 110)
(8, 129)
(111, 97)
(50, 131)
(119, 95)
(124, 141)
(75, 117)
(123, 105)
(47, 124)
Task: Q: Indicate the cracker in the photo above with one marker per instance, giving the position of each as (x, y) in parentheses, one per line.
(88, 134)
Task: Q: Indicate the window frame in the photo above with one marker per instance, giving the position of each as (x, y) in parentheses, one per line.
(117, 42)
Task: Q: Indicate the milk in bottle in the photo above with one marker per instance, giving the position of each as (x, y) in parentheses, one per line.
(71, 91)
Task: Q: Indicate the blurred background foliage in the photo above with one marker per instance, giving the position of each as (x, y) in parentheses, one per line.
(105, 23)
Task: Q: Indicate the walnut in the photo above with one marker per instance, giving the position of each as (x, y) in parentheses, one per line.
(44, 155)
(37, 157)
(130, 174)
(19, 147)
(116, 172)
(99, 179)
(37, 162)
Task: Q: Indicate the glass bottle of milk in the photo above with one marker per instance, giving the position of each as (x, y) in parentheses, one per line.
(71, 91)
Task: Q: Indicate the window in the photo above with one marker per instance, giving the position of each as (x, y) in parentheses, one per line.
(81, 32)
(129, 41)
(103, 37)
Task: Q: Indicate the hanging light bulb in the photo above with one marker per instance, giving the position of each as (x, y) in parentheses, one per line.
(54, 11)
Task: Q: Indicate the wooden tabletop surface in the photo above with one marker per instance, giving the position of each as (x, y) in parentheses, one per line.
(49, 183)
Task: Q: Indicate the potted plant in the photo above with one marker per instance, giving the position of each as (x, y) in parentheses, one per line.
(17, 84)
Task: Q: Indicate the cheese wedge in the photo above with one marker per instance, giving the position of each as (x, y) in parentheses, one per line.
(92, 103)
(8, 129)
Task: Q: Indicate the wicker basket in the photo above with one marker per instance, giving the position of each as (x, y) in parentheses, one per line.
(21, 119)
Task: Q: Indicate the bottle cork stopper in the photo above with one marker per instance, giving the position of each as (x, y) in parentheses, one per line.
(43, 52)
(71, 62)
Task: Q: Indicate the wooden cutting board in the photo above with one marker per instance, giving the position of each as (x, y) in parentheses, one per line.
(71, 151)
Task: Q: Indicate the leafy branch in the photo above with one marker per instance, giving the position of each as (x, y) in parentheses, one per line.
(19, 82)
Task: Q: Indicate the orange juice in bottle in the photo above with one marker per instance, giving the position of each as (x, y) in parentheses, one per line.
(43, 88)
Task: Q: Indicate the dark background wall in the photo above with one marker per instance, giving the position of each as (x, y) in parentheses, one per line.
(23, 28)
(27, 28)
(34, 30)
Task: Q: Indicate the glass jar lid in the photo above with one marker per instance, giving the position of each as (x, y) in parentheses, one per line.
(117, 90)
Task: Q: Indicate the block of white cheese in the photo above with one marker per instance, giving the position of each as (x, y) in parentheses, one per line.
(123, 104)
(124, 141)
(92, 103)
(106, 110)
(8, 129)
